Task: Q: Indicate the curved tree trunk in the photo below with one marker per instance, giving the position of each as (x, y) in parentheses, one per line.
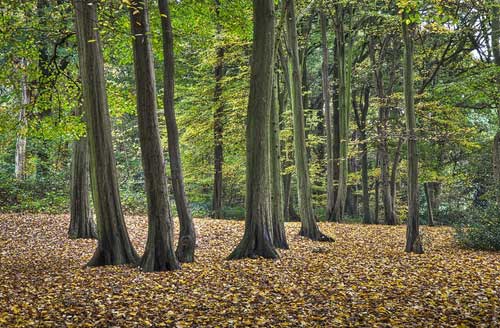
(114, 246)
(187, 235)
(81, 224)
(413, 241)
(159, 253)
(309, 227)
(257, 239)
(279, 236)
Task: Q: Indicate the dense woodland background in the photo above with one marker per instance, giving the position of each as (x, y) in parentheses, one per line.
(457, 88)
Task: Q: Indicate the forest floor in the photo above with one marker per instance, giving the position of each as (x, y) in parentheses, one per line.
(363, 279)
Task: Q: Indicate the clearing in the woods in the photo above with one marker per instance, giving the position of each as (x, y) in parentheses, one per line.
(364, 279)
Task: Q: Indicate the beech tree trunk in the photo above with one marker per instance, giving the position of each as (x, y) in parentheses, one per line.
(258, 239)
(328, 116)
(20, 164)
(309, 227)
(81, 224)
(361, 112)
(279, 235)
(413, 241)
(344, 60)
(159, 252)
(495, 45)
(430, 212)
(383, 115)
(187, 235)
(217, 210)
(113, 246)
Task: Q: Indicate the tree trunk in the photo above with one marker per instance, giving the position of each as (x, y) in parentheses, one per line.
(344, 60)
(279, 236)
(81, 224)
(330, 213)
(495, 45)
(309, 227)
(187, 235)
(328, 116)
(20, 165)
(217, 212)
(361, 112)
(394, 171)
(413, 241)
(114, 246)
(377, 202)
(389, 213)
(257, 239)
(159, 252)
(430, 212)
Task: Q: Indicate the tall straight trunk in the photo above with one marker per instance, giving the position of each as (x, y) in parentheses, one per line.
(495, 45)
(187, 235)
(217, 212)
(330, 212)
(279, 236)
(364, 178)
(20, 164)
(430, 211)
(344, 60)
(383, 117)
(377, 202)
(413, 241)
(159, 252)
(394, 171)
(328, 114)
(258, 239)
(81, 224)
(361, 112)
(309, 227)
(114, 246)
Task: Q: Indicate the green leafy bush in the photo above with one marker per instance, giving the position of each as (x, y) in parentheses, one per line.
(480, 229)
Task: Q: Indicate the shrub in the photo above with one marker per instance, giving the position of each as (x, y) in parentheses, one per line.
(480, 229)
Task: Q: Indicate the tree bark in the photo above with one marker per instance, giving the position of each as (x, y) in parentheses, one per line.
(344, 60)
(389, 213)
(309, 227)
(495, 45)
(258, 239)
(159, 252)
(114, 246)
(328, 116)
(430, 212)
(217, 210)
(81, 224)
(187, 235)
(361, 112)
(413, 240)
(279, 236)
(20, 165)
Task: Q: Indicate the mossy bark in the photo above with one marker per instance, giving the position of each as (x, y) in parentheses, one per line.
(309, 226)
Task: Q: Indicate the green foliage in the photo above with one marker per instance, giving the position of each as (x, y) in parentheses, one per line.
(480, 229)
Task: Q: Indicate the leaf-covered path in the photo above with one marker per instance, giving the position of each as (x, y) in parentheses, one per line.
(363, 279)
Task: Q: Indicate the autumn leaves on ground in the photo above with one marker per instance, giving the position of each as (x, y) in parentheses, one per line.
(363, 279)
